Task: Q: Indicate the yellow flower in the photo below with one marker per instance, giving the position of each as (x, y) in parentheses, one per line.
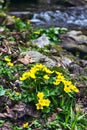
(28, 21)
(58, 73)
(74, 88)
(37, 33)
(41, 102)
(48, 70)
(13, 17)
(39, 66)
(17, 93)
(28, 74)
(25, 125)
(10, 64)
(67, 89)
(24, 76)
(40, 95)
(59, 78)
(46, 77)
(7, 59)
(18, 19)
(32, 75)
(57, 82)
(68, 83)
(46, 102)
(70, 87)
(38, 105)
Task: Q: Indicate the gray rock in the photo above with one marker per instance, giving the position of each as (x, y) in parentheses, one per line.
(40, 58)
(66, 61)
(78, 36)
(83, 63)
(76, 69)
(74, 41)
(42, 41)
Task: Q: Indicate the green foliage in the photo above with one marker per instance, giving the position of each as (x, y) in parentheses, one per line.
(41, 81)
(7, 71)
(16, 128)
(2, 91)
(52, 33)
(36, 124)
(53, 125)
(1, 123)
(5, 3)
(11, 38)
(49, 90)
(1, 4)
(21, 25)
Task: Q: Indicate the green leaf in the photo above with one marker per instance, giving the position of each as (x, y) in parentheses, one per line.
(46, 92)
(2, 92)
(1, 122)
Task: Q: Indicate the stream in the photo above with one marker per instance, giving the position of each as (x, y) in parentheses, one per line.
(52, 15)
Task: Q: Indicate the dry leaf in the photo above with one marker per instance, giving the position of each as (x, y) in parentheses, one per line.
(52, 118)
(59, 109)
(26, 60)
(7, 109)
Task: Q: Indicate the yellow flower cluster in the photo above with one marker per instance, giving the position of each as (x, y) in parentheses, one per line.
(68, 86)
(59, 78)
(33, 70)
(41, 101)
(8, 60)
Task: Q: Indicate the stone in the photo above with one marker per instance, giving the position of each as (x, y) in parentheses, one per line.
(74, 41)
(78, 36)
(42, 41)
(40, 58)
(76, 69)
(66, 61)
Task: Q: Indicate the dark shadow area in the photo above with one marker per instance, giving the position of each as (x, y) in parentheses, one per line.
(65, 4)
(23, 1)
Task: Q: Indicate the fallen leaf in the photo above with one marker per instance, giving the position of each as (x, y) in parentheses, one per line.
(19, 110)
(52, 118)
(59, 109)
(7, 109)
(26, 60)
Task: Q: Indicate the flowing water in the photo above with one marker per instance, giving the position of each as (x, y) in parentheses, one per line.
(52, 15)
